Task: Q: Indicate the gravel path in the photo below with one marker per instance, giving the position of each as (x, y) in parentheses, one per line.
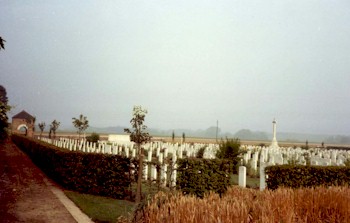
(26, 195)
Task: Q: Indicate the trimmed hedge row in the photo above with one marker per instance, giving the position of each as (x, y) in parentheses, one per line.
(198, 176)
(98, 174)
(296, 176)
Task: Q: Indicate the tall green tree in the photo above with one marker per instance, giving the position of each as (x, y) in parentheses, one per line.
(53, 127)
(81, 124)
(140, 136)
(41, 126)
(4, 108)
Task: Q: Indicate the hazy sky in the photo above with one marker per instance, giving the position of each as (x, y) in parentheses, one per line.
(189, 63)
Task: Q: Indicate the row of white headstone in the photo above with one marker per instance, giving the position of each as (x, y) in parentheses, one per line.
(267, 156)
(242, 176)
(185, 149)
(163, 155)
(286, 155)
(166, 155)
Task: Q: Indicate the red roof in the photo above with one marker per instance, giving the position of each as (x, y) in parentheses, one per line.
(24, 115)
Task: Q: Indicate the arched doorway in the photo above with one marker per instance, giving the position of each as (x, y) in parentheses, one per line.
(23, 123)
(22, 129)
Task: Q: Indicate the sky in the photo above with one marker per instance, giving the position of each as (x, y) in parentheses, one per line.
(189, 63)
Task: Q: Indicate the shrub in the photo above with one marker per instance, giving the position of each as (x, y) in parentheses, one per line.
(98, 174)
(200, 152)
(94, 137)
(229, 149)
(347, 162)
(306, 176)
(198, 176)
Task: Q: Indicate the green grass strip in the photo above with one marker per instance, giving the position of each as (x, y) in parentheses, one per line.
(101, 209)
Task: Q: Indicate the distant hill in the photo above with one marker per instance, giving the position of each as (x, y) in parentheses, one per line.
(103, 130)
(315, 138)
(115, 129)
(243, 134)
(246, 134)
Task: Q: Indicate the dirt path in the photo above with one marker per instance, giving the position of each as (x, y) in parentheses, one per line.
(24, 195)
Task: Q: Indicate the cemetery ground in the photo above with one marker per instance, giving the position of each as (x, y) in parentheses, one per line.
(104, 136)
(249, 205)
(25, 197)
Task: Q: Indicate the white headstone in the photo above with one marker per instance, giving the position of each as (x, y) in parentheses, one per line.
(160, 158)
(262, 176)
(153, 172)
(242, 176)
(157, 151)
(145, 172)
(108, 149)
(173, 176)
(127, 151)
(164, 174)
(149, 155)
(254, 164)
(165, 153)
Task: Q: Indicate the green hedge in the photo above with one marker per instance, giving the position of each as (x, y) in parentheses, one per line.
(98, 174)
(296, 176)
(198, 176)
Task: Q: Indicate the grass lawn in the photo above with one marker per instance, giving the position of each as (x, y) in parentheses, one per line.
(251, 182)
(101, 209)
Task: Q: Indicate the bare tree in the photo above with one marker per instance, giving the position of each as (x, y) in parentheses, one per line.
(53, 127)
(41, 126)
(140, 137)
(81, 124)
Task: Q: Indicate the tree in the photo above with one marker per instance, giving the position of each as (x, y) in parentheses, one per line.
(41, 126)
(200, 152)
(34, 119)
(94, 137)
(80, 124)
(173, 136)
(230, 150)
(140, 137)
(2, 45)
(183, 137)
(53, 127)
(306, 145)
(4, 108)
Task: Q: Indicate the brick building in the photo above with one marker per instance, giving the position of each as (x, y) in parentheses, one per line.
(23, 123)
